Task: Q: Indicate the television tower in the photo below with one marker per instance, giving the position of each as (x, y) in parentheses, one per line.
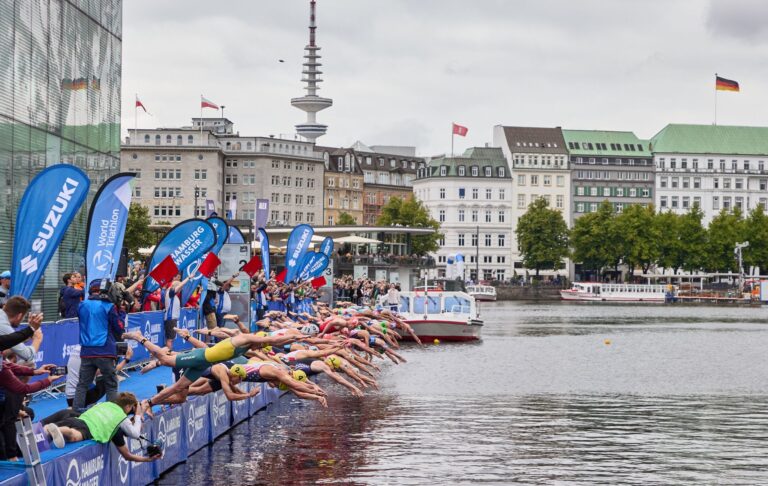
(311, 103)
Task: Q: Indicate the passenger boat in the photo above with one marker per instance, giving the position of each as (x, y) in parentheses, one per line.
(609, 292)
(483, 293)
(443, 315)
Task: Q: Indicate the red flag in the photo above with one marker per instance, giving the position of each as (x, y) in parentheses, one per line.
(209, 265)
(139, 104)
(206, 103)
(459, 130)
(281, 276)
(164, 272)
(253, 266)
(317, 282)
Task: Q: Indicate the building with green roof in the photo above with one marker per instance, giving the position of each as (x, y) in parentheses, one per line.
(470, 196)
(716, 167)
(608, 165)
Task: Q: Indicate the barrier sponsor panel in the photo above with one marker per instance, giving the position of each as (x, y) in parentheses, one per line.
(150, 324)
(198, 424)
(59, 340)
(124, 472)
(187, 320)
(170, 428)
(220, 414)
(241, 408)
(87, 466)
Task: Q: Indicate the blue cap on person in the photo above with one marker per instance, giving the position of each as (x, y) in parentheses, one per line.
(95, 285)
(5, 274)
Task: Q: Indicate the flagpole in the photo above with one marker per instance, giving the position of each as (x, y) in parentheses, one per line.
(135, 118)
(715, 98)
(453, 136)
(201, 119)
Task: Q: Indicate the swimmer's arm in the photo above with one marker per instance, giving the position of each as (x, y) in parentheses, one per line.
(342, 381)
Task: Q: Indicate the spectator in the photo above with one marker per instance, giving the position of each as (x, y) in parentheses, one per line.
(172, 308)
(209, 307)
(100, 329)
(223, 301)
(5, 287)
(95, 392)
(393, 298)
(11, 315)
(70, 296)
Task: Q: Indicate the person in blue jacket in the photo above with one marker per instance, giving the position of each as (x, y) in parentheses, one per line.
(100, 329)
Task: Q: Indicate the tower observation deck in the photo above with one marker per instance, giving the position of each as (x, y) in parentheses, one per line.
(311, 103)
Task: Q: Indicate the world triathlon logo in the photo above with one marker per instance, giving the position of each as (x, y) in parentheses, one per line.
(103, 260)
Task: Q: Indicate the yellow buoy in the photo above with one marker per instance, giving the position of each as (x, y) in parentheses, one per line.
(607, 342)
(436, 341)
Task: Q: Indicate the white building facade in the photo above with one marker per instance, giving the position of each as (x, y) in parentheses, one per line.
(470, 196)
(715, 167)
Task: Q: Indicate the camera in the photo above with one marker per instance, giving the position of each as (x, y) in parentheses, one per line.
(121, 347)
(59, 371)
(155, 449)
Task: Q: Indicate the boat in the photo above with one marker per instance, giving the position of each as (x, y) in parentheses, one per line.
(443, 315)
(613, 292)
(483, 293)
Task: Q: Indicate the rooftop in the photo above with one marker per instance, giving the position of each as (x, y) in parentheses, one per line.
(711, 139)
(605, 143)
(537, 140)
(474, 156)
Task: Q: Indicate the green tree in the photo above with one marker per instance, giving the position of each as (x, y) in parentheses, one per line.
(595, 240)
(411, 213)
(346, 219)
(542, 237)
(693, 240)
(756, 233)
(137, 232)
(725, 230)
(638, 237)
(669, 247)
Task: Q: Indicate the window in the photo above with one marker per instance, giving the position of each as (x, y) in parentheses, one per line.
(157, 139)
(727, 203)
(726, 183)
(502, 239)
(716, 183)
(560, 181)
(675, 182)
(442, 193)
(739, 184)
(310, 201)
(547, 180)
(461, 193)
(501, 172)
(475, 193)
(474, 215)
(488, 172)
(764, 203)
(521, 201)
(330, 202)
(461, 215)
(579, 207)
(739, 202)
(501, 259)
(474, 239)
(593, 191)
(488, 240)
(697, 201)
(675, 200)
(686, 202)
(201, 174)
(559, 201)
(443, 170)
(475, 171)
(461, 239)
(534, 180)
(488, 193)
(501, 194)
(487, 259)
(275, 198)
(697, 182)
(686, 182)
(521, 179)
(146, 138)
(502, 215)
(462, 171)
(663, 202)
(441, 216)
(716, 203)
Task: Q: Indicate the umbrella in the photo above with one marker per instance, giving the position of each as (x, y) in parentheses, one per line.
(146, 251)
(355, 240)
(315, 239)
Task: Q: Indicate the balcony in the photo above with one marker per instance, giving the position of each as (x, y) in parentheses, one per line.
(346, 264)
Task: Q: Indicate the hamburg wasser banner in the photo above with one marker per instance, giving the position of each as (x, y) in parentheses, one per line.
(47, 208)
(185, 243)
(298, 242)
(222, 232)
(106, 227)
(264, 245)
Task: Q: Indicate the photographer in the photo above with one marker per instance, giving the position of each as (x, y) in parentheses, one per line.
(11, 316)
(103, 422)
(100, 329)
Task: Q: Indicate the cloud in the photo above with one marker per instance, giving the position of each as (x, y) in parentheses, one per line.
(744, 20)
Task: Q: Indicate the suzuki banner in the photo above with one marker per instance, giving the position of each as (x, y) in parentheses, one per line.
(185, 243)
(106, 227)
(222, 232)
(326, 247)
(47, 208)
(298, 242)
(264, 246)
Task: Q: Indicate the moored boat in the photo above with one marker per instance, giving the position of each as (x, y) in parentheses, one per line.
(483, 293)
(611, 292)
(447, 316)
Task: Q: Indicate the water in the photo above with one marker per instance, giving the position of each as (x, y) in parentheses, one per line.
(678, 396)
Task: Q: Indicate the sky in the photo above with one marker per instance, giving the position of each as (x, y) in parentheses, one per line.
(401, 71)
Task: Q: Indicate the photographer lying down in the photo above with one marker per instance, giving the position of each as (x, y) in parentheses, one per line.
(104, 422)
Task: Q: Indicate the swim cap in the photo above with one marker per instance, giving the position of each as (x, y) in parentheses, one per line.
(262, 334)
(333, 361)
(238, 370)
(299, 375)
(266, 348)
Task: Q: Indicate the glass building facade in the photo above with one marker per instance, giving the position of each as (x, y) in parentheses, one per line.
(60, 63)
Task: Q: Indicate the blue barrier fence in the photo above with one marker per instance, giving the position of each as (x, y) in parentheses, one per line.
(184, 430)
(61, 337)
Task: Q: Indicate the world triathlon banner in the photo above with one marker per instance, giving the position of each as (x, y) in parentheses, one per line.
(222, 232)
(326, 247)
(47, 208)
(106, 227)
(185, 243)
(312, 265)
(264, 245)
(298, 242)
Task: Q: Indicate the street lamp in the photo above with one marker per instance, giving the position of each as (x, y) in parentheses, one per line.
(197, 194)
(737, 251)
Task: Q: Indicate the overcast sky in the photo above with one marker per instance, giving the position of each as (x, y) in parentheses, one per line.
(400, 71)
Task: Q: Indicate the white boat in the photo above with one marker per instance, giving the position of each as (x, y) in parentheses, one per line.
(447, 316)
(609, 292)
(483, 293)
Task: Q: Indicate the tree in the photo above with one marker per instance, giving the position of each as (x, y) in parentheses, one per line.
(669, 246)
(693, 240)
(137, 232)
(346, 219)
(542, 237)
(594, 239)
(638, 237)
(411, 213)
(725, 230)
(756, 233)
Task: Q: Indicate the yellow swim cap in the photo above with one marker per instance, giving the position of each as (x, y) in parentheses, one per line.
(267, 348)
(238, 370)
(333, 361)
(262, 334)
(299, 375)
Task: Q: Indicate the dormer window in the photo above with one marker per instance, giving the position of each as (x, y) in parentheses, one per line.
(462, 171)
(443, 170)
(475, 171)
(501, 172)
(488, 172)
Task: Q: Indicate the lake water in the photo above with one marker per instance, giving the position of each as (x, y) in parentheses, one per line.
(554, 393)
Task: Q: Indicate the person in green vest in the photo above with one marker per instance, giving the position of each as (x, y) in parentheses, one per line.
(103, 422)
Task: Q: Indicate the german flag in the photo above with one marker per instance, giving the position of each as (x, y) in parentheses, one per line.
(722, 84)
